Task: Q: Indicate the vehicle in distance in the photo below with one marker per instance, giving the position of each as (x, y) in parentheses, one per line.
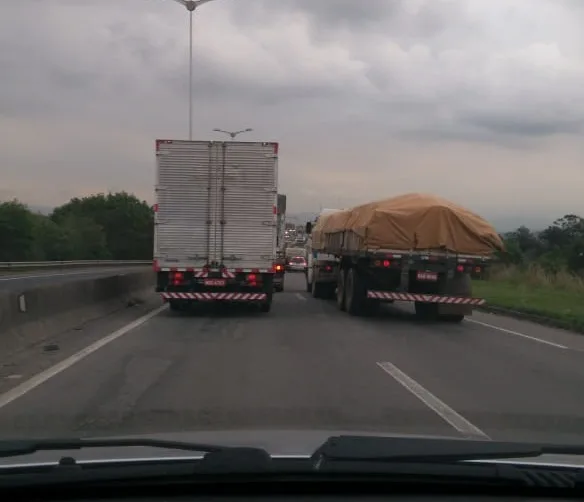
(215, 221)
(415, 248)
(297, 264)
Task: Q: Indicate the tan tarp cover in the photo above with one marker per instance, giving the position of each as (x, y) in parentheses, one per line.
(409, 222)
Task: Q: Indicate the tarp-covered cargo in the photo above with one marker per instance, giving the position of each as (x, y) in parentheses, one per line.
(407, 222)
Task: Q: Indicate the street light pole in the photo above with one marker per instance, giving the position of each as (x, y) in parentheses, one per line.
(191, 5)
(233, 134)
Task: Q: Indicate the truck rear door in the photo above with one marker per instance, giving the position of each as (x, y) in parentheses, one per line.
(248, 215)
(181, 235)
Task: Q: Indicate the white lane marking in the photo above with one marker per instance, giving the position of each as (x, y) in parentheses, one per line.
(43, 376)
(301, 297)
(39, 276)
(445, 412)
(516, 333)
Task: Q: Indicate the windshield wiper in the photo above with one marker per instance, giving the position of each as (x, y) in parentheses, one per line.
(252, 457)
(397, 449)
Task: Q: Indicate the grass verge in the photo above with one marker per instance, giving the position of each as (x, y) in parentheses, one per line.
(556, 299)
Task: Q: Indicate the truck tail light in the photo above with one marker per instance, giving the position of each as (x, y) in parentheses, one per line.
(177, 278)
(386, 263)
(328, 268)
(460, 268)
(278, 268)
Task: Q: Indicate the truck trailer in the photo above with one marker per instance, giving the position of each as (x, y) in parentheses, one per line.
(215, 221)
(413, 248)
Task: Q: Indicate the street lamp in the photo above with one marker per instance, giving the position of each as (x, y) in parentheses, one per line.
(191, 5)
(233, 134)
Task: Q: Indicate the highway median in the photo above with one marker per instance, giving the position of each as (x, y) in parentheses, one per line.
(33, 315)
(553, 299)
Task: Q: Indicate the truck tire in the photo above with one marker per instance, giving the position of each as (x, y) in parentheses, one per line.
(330, 291)
(318, 290)
(426, 311)
(267, 305)
(174, 305)
(452, 318)
(355, 293)
(341, 290)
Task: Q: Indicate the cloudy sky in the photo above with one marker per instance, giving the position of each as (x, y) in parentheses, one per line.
(478, 101)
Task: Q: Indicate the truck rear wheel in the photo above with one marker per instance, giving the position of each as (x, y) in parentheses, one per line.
(426, 311)
(355, 293)
(318, 290)
(341, 290)
(330, 291)
(175, 305)
(453, 318)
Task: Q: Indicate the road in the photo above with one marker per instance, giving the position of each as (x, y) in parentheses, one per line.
(10, 281)
(307, 366)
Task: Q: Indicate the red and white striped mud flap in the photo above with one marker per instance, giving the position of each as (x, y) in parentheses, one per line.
(416, 297)
(208, 297)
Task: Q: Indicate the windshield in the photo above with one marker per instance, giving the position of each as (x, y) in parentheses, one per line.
(157, 273)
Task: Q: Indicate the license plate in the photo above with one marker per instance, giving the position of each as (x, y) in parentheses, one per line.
(427, 276)
(214, 282)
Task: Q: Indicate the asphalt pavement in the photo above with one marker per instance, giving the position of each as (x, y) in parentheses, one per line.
(305, 365)
(17, 281)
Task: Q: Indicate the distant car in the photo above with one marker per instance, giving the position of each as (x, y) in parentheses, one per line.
(297, 264)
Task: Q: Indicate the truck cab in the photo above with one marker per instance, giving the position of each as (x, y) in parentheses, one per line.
(322, 268)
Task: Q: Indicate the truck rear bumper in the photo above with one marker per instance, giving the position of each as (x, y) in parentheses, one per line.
(425, 298)
(215, 296)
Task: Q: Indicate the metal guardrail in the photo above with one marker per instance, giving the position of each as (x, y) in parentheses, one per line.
(7, 265)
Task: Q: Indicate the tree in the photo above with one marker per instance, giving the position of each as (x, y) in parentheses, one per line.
(127, 222)
(86, 240)
(51, 241)
(16, 232)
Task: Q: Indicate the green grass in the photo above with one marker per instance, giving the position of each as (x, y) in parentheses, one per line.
(558, 297)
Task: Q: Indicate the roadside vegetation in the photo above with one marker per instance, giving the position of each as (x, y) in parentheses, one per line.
(114, 226)
(541, 274)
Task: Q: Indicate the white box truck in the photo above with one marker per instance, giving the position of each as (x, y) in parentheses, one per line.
(215, 221)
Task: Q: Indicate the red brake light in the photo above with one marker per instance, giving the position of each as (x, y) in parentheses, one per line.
(460, 268)
(176, 278)
(386, 263)
(251, 278)
(328, 268)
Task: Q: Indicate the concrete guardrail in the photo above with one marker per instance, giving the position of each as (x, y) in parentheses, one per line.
(9, 265)
(31, 316)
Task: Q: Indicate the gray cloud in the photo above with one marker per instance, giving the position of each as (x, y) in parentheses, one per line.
(421, 84)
